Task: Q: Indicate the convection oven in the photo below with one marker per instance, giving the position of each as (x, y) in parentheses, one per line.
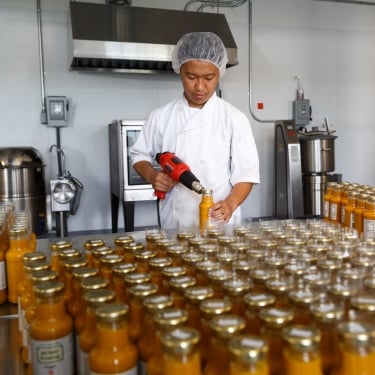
(125, 184)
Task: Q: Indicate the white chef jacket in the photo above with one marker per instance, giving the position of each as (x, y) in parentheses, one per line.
(216, 142)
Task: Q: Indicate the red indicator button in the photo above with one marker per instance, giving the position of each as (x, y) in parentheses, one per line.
(260, 105)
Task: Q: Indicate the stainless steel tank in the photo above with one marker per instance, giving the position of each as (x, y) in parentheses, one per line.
(317, 159)
(22, 182)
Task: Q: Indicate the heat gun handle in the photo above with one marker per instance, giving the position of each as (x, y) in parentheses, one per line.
(159, 194)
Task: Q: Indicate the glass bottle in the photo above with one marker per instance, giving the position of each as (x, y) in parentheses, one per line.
(162, 246)
(357, 349)
(248, 355)
(18, 246)
(120, 242)
(362, 308)
(280, 288)
(98, 252)
(254, 302)
(134, 278)
(216, 279)
(369, 218)
(113, 352)
(180, 352)
(301, 352)
(147, 338)
(65, 255)
(156, 267)
(204, 208)
(326, 316)
(119, 272)
(87, 337)
(359, 213)
(273, 321)
(223, 328)
(209, 309)
(349, 209)
(91, 245)
(194, 295)
(78, 274)
(142, 258)
(301, 300)
(69, 266)
(175, 252)
(335, 205)
(136, 311)
(55, 248)
(177, 286)
(51, 331)
(235, 289)
(106, 264)
(165, 320)
(169, 272)
(152, 236)
(130, 249)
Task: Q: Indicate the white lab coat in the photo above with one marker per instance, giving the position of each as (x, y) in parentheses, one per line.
(216, 142)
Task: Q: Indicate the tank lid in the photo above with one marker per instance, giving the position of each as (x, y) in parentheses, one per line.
(20, 157)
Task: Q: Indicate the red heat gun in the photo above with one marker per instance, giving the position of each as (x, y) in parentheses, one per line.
(175, 168)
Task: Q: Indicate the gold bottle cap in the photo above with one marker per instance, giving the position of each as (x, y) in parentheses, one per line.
(112, 312)
(302, 338)
(226, 258)
(276, 317)
(137, 278)
(181, 340)
(214, 233)
(317, 279)
(208, 249)
(157, 302)
(356, 333)
(267, 243)
(170, 317)
(92, 283)
(327, 312)
(176, 250)
(341, 290)
(133, 247)
(196, 294)
(243, 265)
(185, 236)
(275, 261)
(192, 258)
(121, 241)
(303, 297)
(363, 302)
(93, 244)
(236, 286)
(215, 306)
(352, 274)
(239, 247)
(248, 348)
(122, 269)
(68, 254)
(84, 272)
(43, 275)
(174, 271)
(74, 263)
(30, 257)
(180, 283)
(261, 275)
(164, 244)
(143, 290)
(110, 260)
(154, 235)
(257, 300)
(103, 250)
(196, 242)
(36, 265)
(227, 325)
(206, 266)
(60, 245)
(241, 231)
(219, 275)
(46, 289)
(295, 269)
(160, 263)
(329, 264)
(226, 240)
(144, 255)
(99, 296)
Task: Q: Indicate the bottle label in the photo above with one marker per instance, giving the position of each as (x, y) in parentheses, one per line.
(133, 371)
(369, 228)
(53, 356)
(333, 212)
(3, 279)
(326, 209)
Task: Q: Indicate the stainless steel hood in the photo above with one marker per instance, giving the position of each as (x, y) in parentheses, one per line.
(127, 39)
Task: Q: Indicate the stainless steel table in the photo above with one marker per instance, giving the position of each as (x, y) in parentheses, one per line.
(10, 356)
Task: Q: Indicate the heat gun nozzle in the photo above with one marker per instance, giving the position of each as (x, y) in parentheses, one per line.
(197, 187)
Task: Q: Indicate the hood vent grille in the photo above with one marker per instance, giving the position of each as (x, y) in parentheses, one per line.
(126, 39)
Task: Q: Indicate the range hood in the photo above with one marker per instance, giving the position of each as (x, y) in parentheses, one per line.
(127, 39)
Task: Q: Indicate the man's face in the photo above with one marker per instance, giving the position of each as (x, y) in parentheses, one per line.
(199, 79)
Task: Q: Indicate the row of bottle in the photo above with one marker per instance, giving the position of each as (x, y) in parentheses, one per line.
(135, 286)
(352, 206)
(16, 239)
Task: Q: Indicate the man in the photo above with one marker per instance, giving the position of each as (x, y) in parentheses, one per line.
(207, 133)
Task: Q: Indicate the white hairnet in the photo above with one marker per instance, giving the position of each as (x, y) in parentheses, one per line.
(205, 46)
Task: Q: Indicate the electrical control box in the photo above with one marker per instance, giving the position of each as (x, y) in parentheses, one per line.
(57, 109)
(301, 112)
